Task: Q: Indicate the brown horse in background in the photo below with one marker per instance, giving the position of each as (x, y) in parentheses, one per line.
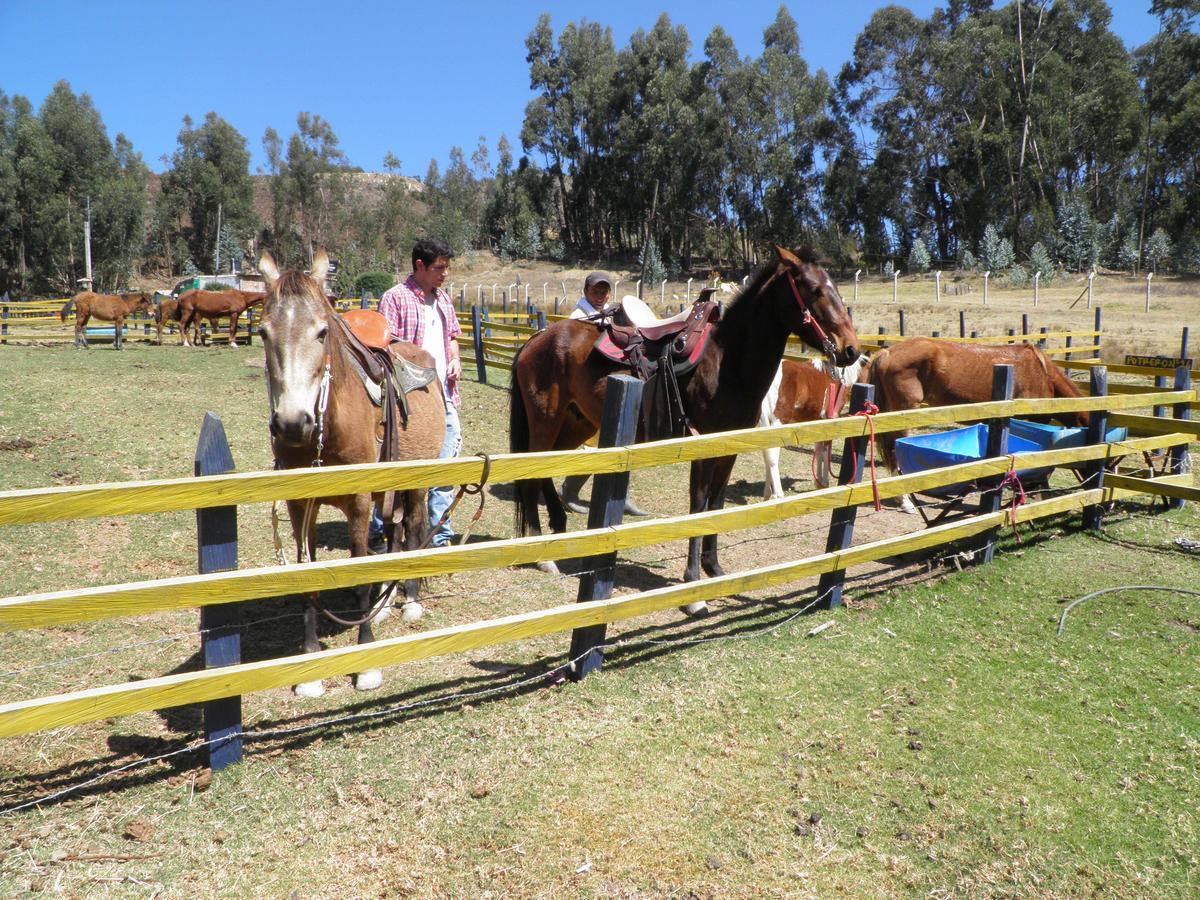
(213, 305)
(558, 385)
(306, 344)
(943, 373)
(801, 393)
(109, 307)
(168, 311)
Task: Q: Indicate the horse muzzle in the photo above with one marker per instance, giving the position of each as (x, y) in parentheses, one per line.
(293, 431)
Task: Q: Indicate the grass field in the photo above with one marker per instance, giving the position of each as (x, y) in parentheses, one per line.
(938, 739)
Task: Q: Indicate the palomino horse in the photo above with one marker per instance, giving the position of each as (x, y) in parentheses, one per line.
(558, 385)
(109, 307)
(321, 414)
(800, 393)
(942, 373)
(212, 305)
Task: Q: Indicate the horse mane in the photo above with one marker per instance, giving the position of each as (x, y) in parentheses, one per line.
(732, 318)
(294, 283)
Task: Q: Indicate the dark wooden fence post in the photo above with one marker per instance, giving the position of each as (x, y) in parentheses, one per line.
(935, 333)
(364, 302)
(1096, 432)
(997, 445)
(618, 428)
(4, 318)
(882, 331)
(541, 320)
(1043, 331)
(556, 306)
(901, 323)
(962, 323)
(220, 624)
(477, 340)
(1024, 324)
(1096, 338)
(1179, 455)
(841, 522)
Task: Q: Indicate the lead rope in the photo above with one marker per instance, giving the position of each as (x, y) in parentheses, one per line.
(1013, 481)
(476, 488)
(866, 412)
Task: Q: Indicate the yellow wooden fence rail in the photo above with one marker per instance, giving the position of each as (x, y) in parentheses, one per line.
(132, 497)
(88, 705)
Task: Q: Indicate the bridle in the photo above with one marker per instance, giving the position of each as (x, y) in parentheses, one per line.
(808, 319)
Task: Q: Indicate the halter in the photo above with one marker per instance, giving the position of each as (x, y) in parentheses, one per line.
(807, 317)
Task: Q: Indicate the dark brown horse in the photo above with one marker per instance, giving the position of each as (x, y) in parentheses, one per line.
(558, 384)
(308, 363)
(212, 305)
(109, 307)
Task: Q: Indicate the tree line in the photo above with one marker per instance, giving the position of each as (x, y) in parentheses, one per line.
(1020, 138)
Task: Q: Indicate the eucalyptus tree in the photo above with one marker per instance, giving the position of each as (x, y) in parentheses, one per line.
(207, 187)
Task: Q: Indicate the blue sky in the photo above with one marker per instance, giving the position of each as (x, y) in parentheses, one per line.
(411, 78)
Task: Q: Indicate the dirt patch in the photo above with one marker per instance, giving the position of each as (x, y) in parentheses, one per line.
(17, 444)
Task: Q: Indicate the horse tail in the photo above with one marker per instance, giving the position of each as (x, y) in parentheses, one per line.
(66, 310)
(519, 442)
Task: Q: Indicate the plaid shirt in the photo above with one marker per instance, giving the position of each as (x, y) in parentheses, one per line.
(404, 308)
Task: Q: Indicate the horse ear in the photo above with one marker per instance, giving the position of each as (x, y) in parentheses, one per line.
(268, 268)
(320, 265)
(787, 256)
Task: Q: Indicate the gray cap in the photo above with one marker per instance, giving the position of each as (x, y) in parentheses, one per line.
(597, 278)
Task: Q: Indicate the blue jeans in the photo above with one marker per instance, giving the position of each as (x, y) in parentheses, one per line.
(440, 498)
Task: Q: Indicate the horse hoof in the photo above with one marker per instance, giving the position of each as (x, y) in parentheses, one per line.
(549, 566)
(384, 613)
(369, 680)
(695, 610)
(575, 506)
(310, 689)
(632, 509)
(411, 611)
(906, 505)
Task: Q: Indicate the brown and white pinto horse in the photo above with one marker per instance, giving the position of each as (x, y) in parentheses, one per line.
(799, 394)
(212, 305)
(109, 307)
(923, 371)
(308, 362)
(558, 384)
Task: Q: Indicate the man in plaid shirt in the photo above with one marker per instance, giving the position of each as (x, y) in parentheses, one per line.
(419, 311)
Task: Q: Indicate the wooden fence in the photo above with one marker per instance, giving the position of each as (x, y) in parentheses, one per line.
(225, 491)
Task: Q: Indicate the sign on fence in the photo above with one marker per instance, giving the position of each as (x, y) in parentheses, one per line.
(1158, 362)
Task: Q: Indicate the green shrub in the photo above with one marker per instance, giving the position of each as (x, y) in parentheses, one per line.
(373, 284)
(216, 286)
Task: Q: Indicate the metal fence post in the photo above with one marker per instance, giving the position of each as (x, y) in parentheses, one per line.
(997, 445)
(1179, 455)
(841, 521)
(1096, 431)
(477, 340)
(618, 428)
(220, 624)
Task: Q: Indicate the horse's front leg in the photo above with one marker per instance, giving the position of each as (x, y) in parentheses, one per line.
(358, 516)
(118, 327)
(81, 331)
(416, 525)
(306, 545)
(233, 320)
(719, 480)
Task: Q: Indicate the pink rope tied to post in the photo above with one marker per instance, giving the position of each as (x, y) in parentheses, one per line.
(1013, 481)
(870, 409)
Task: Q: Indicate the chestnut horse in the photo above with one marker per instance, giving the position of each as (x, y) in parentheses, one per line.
(109, 307)
(925, 371)
(213, 305)
(308, 363)
(558, 385)
(800, 393)
(168, 311)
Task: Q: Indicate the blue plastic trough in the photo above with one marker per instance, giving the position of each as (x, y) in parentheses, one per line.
(959, 445)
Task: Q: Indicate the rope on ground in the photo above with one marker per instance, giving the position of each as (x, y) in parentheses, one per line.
(1112, 590)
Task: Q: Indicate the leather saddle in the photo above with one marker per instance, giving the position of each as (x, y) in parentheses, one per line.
(659, 351)
(370, 343)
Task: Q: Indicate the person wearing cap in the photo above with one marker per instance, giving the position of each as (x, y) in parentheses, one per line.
(597, 288)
